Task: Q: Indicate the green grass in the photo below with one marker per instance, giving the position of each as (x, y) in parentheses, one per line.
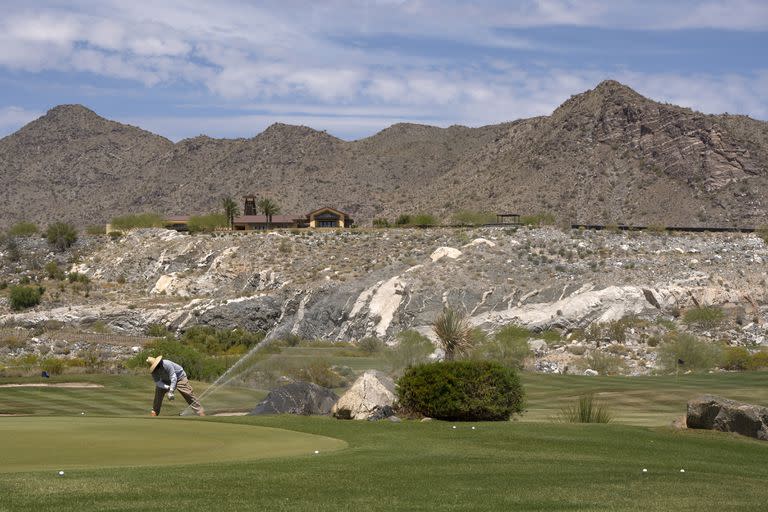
(531, 464)
(124, 395)
(649, 401)
(59, 443)
(430, 466)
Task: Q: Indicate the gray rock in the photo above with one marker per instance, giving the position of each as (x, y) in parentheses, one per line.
(381, 413)
(717, 413)
(302, 398)
(257, 314)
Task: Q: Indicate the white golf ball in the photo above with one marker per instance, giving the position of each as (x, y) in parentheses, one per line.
(317, 451)
(61, 473)
(645, 470)
(454, 426)
(473, 428)
(682, 471)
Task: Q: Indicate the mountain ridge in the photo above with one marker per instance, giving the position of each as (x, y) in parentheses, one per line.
(607, 155)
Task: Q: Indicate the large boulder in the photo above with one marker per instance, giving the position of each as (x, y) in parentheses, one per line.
(717, 413)
(371, 397)
(304, 398)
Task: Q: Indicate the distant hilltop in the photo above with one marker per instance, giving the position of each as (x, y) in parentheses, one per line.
(605, 156)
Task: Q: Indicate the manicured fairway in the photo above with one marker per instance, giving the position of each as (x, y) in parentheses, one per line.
(50, 443)
(527, 464)
(651, 400)
(432, 466)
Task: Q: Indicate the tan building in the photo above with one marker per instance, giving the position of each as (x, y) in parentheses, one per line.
(328, 218)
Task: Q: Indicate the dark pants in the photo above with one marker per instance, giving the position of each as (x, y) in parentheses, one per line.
(186, 391)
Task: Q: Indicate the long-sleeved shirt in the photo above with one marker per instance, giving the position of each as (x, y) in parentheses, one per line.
(167, 374)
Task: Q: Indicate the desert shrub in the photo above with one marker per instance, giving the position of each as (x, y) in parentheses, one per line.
(380, 223)
(157, 330)
(99, 326)
(538, 219)
(403, 220)
(758, 361)
(371, 345)
(95, 229)
(585, 410)
(289, 340)
(762, 232)
(735, 358)
(461, 390)
(13, 342)
(23, 229)
(550, 336)
(90, 357)
(706, 317)
(211, 341)
(77, 277)
(603, 363)
(695, 354)
(23, 297)
(473, 218)
(424, 220)
(139, 220)
(61, 235)
(321, 373)
(509, 346)
(52, 365)
(52, 271)
(207, 223)
(12, 252)
(412, 348)
(195, 364)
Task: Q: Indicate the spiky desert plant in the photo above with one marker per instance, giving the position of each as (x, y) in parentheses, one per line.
(586, 410)
(453, 332)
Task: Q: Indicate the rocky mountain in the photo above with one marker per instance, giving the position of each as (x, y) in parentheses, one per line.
(608, 155)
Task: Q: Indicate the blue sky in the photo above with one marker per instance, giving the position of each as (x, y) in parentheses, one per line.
(231, 68)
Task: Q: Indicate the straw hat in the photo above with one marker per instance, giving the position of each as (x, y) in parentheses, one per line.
(154, 361)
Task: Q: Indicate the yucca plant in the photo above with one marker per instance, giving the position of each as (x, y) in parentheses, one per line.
(453, 332)
(586, 410)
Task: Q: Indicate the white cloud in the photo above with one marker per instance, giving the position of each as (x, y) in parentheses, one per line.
(315, 58)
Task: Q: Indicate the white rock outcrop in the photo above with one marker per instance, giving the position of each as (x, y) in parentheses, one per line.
(445, 252)
(371, 394)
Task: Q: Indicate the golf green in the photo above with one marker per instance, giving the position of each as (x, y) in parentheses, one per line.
(31, 444)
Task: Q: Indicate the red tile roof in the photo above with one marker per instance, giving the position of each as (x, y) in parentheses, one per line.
(262, 219)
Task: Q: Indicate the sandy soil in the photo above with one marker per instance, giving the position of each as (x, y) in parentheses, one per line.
(53, 385)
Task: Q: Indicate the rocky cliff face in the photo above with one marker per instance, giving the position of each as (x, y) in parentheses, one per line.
(607, 155)
(353, 284)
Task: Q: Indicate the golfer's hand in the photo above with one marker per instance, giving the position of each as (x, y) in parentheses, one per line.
(171, 395)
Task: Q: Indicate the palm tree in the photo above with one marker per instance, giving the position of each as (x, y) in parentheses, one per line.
(231, 210)
(269, 208)
(453, 332)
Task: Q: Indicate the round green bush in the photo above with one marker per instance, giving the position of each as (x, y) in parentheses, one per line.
(23, 297)
(461, 391)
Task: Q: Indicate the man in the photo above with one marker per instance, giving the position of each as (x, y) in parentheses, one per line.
(169, 377)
